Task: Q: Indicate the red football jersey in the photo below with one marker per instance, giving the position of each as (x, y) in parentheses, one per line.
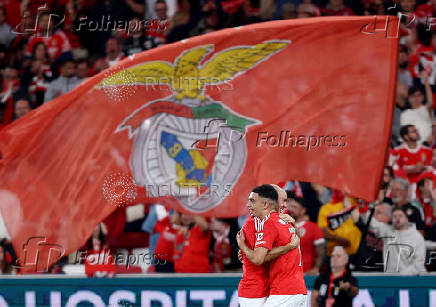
(403, 157)
(286, 271)
(255, 280)
(310, 236)
(165, 245)
(194, 256)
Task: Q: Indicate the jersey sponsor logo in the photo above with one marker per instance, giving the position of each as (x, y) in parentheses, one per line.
(259, 236)
(260, 242)
(282, 222)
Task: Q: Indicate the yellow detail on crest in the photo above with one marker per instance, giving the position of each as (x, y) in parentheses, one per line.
(188, 78)
(200, 162)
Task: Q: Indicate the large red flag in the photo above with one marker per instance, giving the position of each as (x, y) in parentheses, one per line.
(200, 122)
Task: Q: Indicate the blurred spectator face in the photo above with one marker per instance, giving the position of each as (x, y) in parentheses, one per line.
(336, 3)
(407, 5)
(218, 226)
(386, 176)
(399, 220)
(212, 19)
(22, 107)
(305, 10)
(382, 213)
(161, 10)
(27, 21)
(68, 69)
(289, 11)
(82, 70)
(186, 219)
(112, 48)
(2, 15)
(416, 99)
(413, 134)
(96, 231)
(135, 26)
(44, 24)
(175, 218)
(399, 195)
(296, 210)
(403, 59)
(433, 158)
(2, 254)
(402, 95)
(40, 52)
(339, 258)
(426, 189)
(11, 74)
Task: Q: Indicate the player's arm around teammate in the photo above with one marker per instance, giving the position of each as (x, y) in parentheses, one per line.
(261, 255)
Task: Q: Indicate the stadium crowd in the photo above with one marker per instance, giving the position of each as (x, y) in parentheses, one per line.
(49, 47)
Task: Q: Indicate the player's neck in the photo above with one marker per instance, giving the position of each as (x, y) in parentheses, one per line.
(412, 144)
(265, 214)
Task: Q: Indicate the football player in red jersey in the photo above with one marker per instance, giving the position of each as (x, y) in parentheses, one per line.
(253, 289)
(287, 287)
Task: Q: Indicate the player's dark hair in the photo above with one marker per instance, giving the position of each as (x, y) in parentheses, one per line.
(266, 191)
(404, 130)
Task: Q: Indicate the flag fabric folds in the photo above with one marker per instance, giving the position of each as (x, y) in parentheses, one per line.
(198, 123)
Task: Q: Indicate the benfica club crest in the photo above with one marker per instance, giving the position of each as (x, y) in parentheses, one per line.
(188, 146)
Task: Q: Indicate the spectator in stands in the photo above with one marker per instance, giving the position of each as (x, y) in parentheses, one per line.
(154, 223)
(113, 55)
(338, 287)
(65, 83)
(155, 8)
(191, 253)
(135, 39)
(222, 248)
(336, 8)
(386, 185)
(370, 256)
(335, 221)
(312, 242)
(288, 11)
(400, 106)
(306, 10)
(5, 266)
(38, 74)
(82, 70)
(419, 114)
(21, 108)
(404, 75)
(410, 159)
(58, 45)
(424, 200)
(400, 192)
(165, 245)
(6, 34)
(404, 246)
